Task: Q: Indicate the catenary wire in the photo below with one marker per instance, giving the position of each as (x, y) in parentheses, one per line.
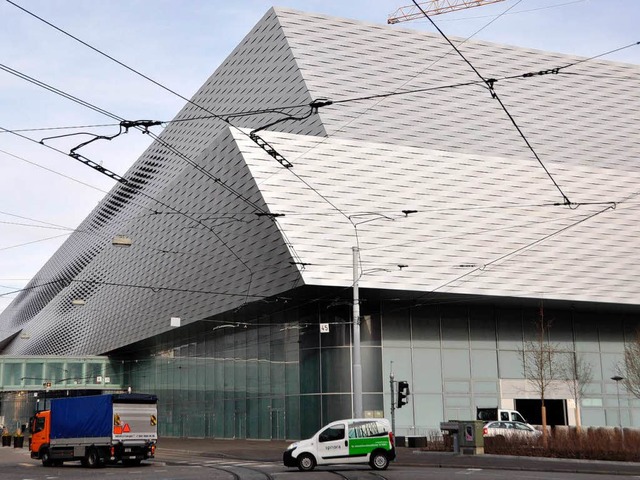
(157, 138)
(10, 2)
(279, 109)
(49, 169)
(490, 85)
(138, 191)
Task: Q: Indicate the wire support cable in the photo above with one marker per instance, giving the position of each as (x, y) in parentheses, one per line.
(131, 69)
(281, 109)
(516, 252)
(490, 86)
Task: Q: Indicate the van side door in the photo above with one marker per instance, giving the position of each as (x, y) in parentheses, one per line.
(333, 444)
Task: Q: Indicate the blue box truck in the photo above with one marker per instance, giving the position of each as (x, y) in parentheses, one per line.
(96, 430)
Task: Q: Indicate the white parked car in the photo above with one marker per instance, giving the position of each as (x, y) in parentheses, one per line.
(509, 430)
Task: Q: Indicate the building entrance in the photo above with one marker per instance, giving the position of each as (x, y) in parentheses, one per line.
(530, 410)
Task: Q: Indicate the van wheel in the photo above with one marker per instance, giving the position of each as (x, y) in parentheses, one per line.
(379, 460)
(306, 462)
(45, 456)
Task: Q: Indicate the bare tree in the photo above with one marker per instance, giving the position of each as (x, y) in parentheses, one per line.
(630, 369)
(542, 363)
(578, 374)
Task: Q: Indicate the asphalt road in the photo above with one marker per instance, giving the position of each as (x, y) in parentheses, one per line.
(175, 464)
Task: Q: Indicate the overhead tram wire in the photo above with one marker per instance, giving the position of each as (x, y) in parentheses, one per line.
(122, 121)
(133, 70)
(131, 125)
(49, 169)
(154, 288)
(490, 86)
(140, 192)
(35, 241)
(519, 250)
(280, 109)
(123, 180)
(161, 141)
(381, 97)
(162, 86)
(70, 127)
(512, 253)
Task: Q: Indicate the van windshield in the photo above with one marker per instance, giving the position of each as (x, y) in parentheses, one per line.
(516, 417)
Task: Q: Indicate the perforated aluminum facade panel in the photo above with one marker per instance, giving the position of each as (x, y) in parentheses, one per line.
(486, 221)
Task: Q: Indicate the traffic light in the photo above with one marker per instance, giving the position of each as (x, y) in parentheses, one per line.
(403, 393)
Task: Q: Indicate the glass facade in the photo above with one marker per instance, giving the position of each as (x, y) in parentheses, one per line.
(459, 357)
(276, 378)
(28, 382)
(274, 375)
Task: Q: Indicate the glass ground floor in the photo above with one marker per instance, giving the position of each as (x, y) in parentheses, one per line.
(283, 372)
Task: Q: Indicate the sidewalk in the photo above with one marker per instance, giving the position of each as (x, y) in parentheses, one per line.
(271, 451)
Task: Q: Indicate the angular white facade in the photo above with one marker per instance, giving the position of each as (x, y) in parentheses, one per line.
(410, 129)
(487, 222)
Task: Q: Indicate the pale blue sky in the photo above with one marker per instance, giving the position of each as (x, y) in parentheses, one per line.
(180, 43)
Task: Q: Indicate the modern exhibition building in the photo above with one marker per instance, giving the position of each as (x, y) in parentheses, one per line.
(325, 153)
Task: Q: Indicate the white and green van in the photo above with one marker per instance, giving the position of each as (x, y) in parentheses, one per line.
(357, 440)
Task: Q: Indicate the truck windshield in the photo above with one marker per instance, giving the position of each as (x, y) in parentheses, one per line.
(38, 425)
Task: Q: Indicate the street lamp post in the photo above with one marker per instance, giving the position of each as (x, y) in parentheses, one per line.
(617, 379)
(357, 363)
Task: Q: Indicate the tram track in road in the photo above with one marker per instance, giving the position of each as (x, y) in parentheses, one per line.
(359, 474)
(238, 469)
(237, 476)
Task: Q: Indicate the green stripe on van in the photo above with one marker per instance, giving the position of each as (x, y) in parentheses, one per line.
(363, 446)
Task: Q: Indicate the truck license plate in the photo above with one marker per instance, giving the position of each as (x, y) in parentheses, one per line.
(127, 450)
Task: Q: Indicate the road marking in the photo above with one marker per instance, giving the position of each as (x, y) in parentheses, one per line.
(469, 471)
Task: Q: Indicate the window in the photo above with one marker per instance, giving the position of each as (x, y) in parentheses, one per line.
(333, 433)
(516, 417)
(38, 425)
(504, 416)
(367, 429)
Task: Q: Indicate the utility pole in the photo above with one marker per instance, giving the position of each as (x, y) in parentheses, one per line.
(357, 365)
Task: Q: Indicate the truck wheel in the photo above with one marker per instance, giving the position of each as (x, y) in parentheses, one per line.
(46, 458)
(379, 460)
(91, 459)
(306, 462)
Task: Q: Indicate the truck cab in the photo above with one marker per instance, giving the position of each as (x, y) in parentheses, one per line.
(39, 428)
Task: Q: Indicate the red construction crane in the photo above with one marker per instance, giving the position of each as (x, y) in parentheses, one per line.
(434, 7)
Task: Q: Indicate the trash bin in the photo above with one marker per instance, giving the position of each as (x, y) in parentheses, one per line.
(470, 437)
(417, 442)
(450, 436)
